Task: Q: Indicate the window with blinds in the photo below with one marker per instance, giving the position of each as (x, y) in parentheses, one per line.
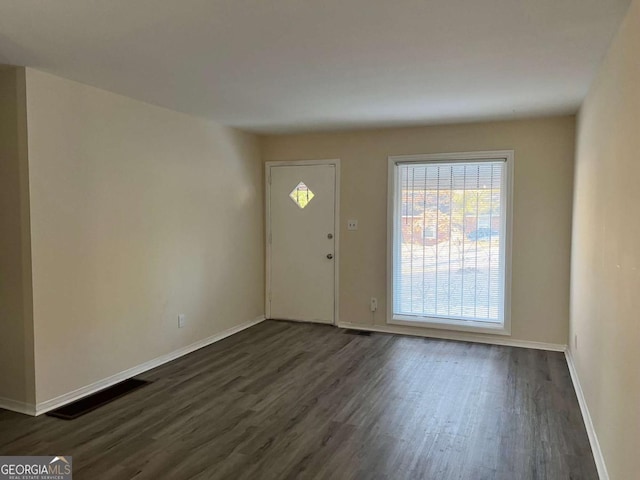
(449, 239)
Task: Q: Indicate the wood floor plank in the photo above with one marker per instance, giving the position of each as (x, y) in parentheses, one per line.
(283, 400)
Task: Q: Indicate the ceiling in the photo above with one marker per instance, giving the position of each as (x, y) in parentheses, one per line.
(297, 65)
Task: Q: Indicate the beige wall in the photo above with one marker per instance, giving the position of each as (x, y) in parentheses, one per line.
(138, 213)
(605, 276)
(16, 322)
(544, 151)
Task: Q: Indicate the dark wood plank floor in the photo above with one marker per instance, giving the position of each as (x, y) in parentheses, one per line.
(284, 400)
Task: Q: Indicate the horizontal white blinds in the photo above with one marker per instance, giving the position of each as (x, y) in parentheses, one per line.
(449, 231)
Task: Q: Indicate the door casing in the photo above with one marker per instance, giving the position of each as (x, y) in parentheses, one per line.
(336, 220)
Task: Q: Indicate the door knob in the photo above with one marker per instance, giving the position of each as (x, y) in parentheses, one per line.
(329, 256)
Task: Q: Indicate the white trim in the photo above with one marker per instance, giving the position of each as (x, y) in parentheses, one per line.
(440, 323)
(586, 417)
(459, 336)
(336, 256)
(449, 324)
(16, 406)
(79, 393)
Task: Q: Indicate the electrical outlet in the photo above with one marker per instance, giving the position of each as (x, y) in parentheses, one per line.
(374, 304)
(182, 319)
(352, 224)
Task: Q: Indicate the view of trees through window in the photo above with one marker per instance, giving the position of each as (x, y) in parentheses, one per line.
(450, 225)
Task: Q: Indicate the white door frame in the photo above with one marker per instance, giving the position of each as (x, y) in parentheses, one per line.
(336, 234)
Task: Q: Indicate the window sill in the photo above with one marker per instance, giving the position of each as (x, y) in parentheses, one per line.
(450, 324)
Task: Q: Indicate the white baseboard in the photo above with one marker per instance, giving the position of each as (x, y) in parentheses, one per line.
(586, 416)
(61, 400)
(15, 406)
(459, 336)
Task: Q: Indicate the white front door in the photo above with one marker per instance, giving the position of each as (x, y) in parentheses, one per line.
(301, 242)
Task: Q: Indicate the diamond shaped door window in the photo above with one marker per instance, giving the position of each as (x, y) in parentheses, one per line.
(301, 195)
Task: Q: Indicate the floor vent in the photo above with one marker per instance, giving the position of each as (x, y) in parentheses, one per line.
(362, 333)
(98, 399)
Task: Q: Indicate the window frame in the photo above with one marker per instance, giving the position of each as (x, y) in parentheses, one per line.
(474, 326)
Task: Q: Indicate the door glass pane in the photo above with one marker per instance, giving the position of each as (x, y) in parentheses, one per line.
(301, 195)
